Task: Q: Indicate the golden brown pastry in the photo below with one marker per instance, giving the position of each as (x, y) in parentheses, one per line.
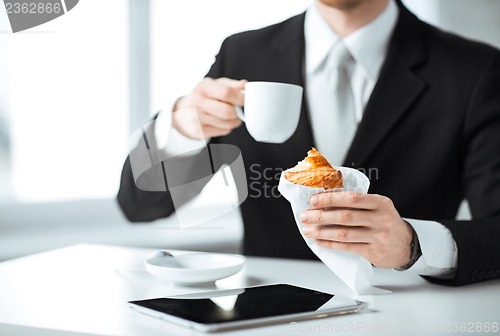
(315, 171)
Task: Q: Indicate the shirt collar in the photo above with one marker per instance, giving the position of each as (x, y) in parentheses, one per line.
(367, 45)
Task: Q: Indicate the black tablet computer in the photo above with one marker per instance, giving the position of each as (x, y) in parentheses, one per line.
(246, 307)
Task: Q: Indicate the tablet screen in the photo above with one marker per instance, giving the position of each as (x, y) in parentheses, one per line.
(242, 304)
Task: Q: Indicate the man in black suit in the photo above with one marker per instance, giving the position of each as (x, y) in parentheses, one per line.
(428, 107)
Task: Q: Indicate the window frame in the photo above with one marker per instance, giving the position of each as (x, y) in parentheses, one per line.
(62, 212)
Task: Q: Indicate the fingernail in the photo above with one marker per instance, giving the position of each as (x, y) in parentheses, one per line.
(306, 230)
(304, 217)
(314, 200)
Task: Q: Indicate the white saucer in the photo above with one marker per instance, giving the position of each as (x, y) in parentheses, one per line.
(194, 268)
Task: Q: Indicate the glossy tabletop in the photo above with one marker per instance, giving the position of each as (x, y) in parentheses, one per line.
(84, 289)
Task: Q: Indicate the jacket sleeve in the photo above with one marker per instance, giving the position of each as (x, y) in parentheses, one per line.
(478, 239)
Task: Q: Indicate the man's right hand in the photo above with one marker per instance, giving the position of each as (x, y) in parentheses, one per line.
(213, 101)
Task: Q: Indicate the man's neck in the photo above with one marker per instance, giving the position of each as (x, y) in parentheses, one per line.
(347, 20)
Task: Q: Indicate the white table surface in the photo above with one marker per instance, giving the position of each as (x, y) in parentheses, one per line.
(83, 289)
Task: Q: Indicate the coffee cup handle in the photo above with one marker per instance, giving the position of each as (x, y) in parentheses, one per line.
(239, 110)
(239, 113)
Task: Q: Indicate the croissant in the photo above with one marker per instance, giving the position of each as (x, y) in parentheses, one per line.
(315, 171)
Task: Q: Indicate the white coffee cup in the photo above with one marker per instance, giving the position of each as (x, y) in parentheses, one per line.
(272, 110)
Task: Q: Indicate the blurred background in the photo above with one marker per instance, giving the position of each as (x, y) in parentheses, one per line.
(72, 90)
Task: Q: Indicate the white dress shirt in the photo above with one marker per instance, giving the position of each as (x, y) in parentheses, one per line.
(368, 46)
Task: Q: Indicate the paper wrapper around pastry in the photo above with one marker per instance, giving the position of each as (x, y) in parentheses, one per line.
(355, 271)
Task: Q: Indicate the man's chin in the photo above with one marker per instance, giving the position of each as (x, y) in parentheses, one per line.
(342, 4)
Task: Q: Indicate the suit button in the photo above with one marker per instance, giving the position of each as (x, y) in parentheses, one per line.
(473, 275)
(482, 275)
(490, 274)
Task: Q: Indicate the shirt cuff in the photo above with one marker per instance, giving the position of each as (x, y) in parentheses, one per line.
(439, 249)
(172, 143)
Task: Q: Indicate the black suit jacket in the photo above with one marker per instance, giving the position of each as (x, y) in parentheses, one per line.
(429, 137)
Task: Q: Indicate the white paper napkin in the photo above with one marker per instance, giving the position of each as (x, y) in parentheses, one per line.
(355, 271)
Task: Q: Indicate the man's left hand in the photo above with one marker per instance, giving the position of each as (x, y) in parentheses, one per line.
(366, 224)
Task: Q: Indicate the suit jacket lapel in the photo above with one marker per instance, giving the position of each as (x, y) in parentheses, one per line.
(397, 88)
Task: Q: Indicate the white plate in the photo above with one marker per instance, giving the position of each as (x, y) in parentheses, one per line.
(195, 267)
